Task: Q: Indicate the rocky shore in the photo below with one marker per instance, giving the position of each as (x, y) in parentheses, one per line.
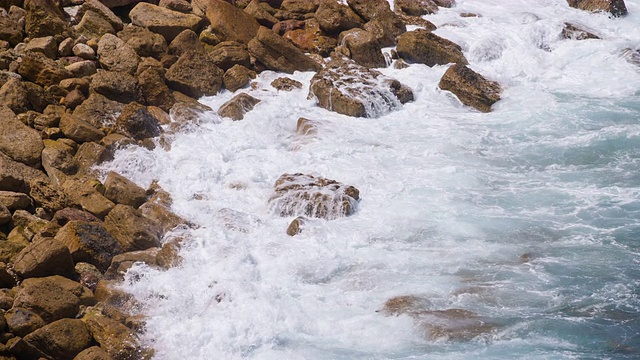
(81, 78)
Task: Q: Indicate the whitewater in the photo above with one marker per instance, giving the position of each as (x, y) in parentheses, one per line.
(528, 216)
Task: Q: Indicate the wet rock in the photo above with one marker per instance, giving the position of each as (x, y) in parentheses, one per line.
(363, 47)
(163, 21)
(570, 31)
(316, 197)
(44, 258)
(231, 23)
(306, 126)
(62, 339)
(424, 47)
(194, 75)
(123, 262)
(89, 242)
(123, 191)
(20, 142)
(470, 87)
(98, 111)
(278, 54)
(48, 299)
(616, 7)
(44, 45)
(93, 25)
(115, 55)
(45, 18)
(22, 322)
(143, 41)
(14, 96)
(350, 89)
(237, 77)
(230, 53)
(286, 84)
(132, 230)
(238, 106)
(311, 41)
(415, 7)
(169, 254)
(296, 226)
(117, 340)
(137, 122)
(117, 86)
(79, 130)
(335, 17)
(41, 70)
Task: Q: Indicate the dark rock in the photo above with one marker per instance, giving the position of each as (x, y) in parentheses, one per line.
(93, 353)
(422, 46)
(117, 340)
(137, 122)
(44, 18)
(194, 75)
(22, 321)
(177, 5)
(300, 6)
(283, 26)
(89, 242)
(185, 41)
(470, 87)
(116, 85)
(278, 54)
(98, 111)
(262, 12)
(15, 200)
(286, 84)
(48, 196)
(154, 89)
(10, 31)
(132, 230)
(238, 106)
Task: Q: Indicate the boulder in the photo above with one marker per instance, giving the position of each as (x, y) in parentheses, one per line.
(15, 176)
(237, 77)
(177, 5)
(88, 197)
(58, 156)
(185, 41)
(22, 322)
(82, 68)
(45, 45)
(363, 47)
(312, 42)
(98, 111)
(41, 70)
(570, 31)
(143, 41)
(238, 106)
(73, 99)
(121, 190)
(296, 226)
(350, 89)
(14, 98)
(470, 87)
(115, 55)
(162, 215)
(99, 8)
(231, 23)
(286, 84)
(278, 54)
(306, 126)
(154, 89)
(230, 53)
(45, 18)
(137, 122)
(370, 9)
(616, 7)
(163, 21)
(48, 196)
(44, 258)
(89, 242)
(5, 215)
(316, 197)
(415, 7)
(62, 339)
(117, 85)
(169, 254)
(262, 12)
(20, 142)
(132, 230)
(48, 299)
(93, 353)
(123, 262)
(423, 46)
(10, 30)
(335, 17)
(117, 340)
(79, 130)
(93, 25)
(194, 75)
(15, 200)
(63, 216)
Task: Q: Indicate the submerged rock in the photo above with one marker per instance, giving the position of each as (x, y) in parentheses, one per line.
(573, 32)
(470, 87)
(238, 106)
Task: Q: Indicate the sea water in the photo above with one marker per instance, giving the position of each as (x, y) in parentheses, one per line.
(528, 216)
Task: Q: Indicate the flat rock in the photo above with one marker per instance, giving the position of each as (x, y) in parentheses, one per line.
(45, 45)
(93, 25)
(121, 190)
(423, 46)
(117, 85)
(163, 21)
(16, 177)
(230, 53)
(470, 87)
(78, 130)
(47, 299)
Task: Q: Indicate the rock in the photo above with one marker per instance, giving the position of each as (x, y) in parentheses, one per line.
(62, 339)
(98, 111)
(41, 70)
(84, 51)
(123, 191)
(470, 87)
(282, 27)
(424, 47)
(15, 176)
(44, 45)
(117, 340)
(82, 68)
(405, 305)
(316, 197)
(89, 242)
(194, 75)
(88, 197)
(132, 230)
(65, 46)
(10, 31)
(137, 122)
(58, 156)
(93, 353)
(23, 350)
(123, 262)
(38, 97)
(286, 84)
(311, 42)
(169, 254)
(14, 96)
(44, 18)
(22, 322)
(79, 130)
(143, 41)
(278, 54)
(48, 299)
(573, 32)
(48, 196)
(231, 23)
(177, 5)
(415, 7)
(15, 200)
(616, 7)
(5, 215)
(63, 216)
(335, 18)
(306, 126)
(230, 53)
(116, 85)
(185, 41)
(115, 55)
(154, 89)
(73, 99)
(88, 275)
(262, 12)
(381, 32)
(162, 215)
(296, 226)
(93, 25)
(238, 106)
(16, 241)
(237, 77)
(370, 9)
(363, 47)
(163, 21)
(350, 89)
(101, 10)
(44, 258)
(20, 142)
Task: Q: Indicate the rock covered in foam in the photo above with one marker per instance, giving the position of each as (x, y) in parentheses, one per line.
(350, 89)
(615, 7)
(470, 87)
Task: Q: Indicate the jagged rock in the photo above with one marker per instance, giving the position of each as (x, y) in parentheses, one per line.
(123, 262)
(115, 55)
(73, 99)
(82, 68)
(177, 5)
(422, 46)
(117, 340)
(154, 89)
(22, 322)
(93, 353)
(116, 85)
(363, 47)
(278, 54)
(88, 275)
(14, 95)
(62, 339)
(283, 26)
(44, 45)
(143, 41)
(15, 176)
(470, 87)
(238, 106)
(89, 242)
(350, 89)
(415, 7)
(41, 70)
(102, 10)
(615, 7)
(194, 75)
(48, 196)
(573, 32)
(262, 12)
(98, 111)
(93, 25)
(15, 200)
(48, 299)
(311, 41)
(185, 41)
(121, 190)
(316, 197)
(163, 21)
(237, 77)
(20, 142)
(286, 84)
(231, 23)
(132, 230)
(79, 130)
(45, 18)
(44, 258)
(10, 31)
(169, 256)
(300, 6)
(230, 53)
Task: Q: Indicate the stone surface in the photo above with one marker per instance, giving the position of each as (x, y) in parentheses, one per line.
(44, 258)
(238, 106)
(121, 190)
(615, 7)
(117, 85)
(163, 21)
(132, 230)
(286, 84)
(20, 142)
(5, 215)
(137, 122)
(44, 45)
(154, 89)
(82, 68)
(88, 197)
(93, 25)
(123, 262)
(470, 87)
(41, 70)
(15, 176)
(424, 47)
(116, 55)
(573, 32)
(335, 18)
(62, 339)
(306, 126)
(231, 23)
(114, 338)
(177, 5)
(84, 51)
(185, 41)
(278, 54)
(98, 111)
(195, 75)
(101, 10)
(89, 242)
(93, 353)
(48, 196)
(22, 321)
(415, 7)
(10, 31)
(47, 299)
(262, 12)
(363, 47)
(316, 197)
(79, 130)
(14, 96)
(45, 18)
(15, 200)
(237, 77)
(296, 226)
(230, 53)
(143, 41)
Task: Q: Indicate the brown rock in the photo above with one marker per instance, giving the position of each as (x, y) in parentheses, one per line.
(41, 70)
(22, 321)
(300, 6)
(116, 85)
(15, 97)
(93, 353)
(79, 130)
(616, 7)
(83, 293)
(5, 215)
(38, 97)
(169, 254)
(93, 25)
(103, 11)
(363, 47)
(335, 18)
(57, 156)
(311, 41)
(286, 84)
(470, 87)
(82, 68)
(282, 27)
(23, 350)
(88, 275)
(115, 55)
(20, 142)
(262, 12)
(278, 54)
(194, 75)
(123, 191)
(137, 122)
(89, 242)
(44, 45)
(10, 30)
(154, 89)
(81, 84)
(44, 18)
(573, 32)
(62, 217)
(15, 176)
(132, 230)
(445, 3)
(185, 41)
(15, 200)
(62, 339)
(425, 47)
(73, 99)
(237, 77)
(98, 111)
(306, 126)
(296, 226)
(231, 23)
(143, 41)
(123, 262)
(116, 339)
(416, 7)
(48, 196)
(238, 106)
(176, 5)
(47, 299)
(230, 53)
(316, 197)
(163, 21)
(88, 197)
(369, 9)
(44, 258)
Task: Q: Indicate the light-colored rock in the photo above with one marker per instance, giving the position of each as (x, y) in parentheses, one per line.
(195, 75)
(44, 258)
(115, 55)
(20, 142)
(102, 10)
(121, 190)
(44, 45)
(14, 98)
(82, 68)
(93, 25)
(163, 21)
(84, 51)
(132, 230)
(79, 130)
(237, 77)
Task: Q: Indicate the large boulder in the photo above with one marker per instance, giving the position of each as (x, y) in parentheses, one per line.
(262, 12)
(351, 89)
(15, 200)
(44, 258)
(45, 18)
(47, 298)
(121, 190)
(195, 75)
(278, 54)
(143, 41)
(132, 230)
(49, 196)
(423, 46)
(370, 9)
(116, 85)
(316, 197)
(615, 7)
(470, 87)
(363, 48)
(185, 41)
(99, 8)
(231, 23)
(163, 21)
(238, 106)
(62, 339)
(93, 25)
(335, 17)
(41, 70)
(115, 55)
(89, 242)
(20, 142)
(98, 111)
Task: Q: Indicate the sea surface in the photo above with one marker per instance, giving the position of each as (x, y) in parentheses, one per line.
(528, 216)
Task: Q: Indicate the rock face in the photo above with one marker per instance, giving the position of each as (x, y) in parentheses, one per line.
(350, 89)
(238, 106)
(335, 18)
(231, 23)
(615, 7)
(195, 75)
(41, 70)
(470, 87)
(424, 47)
(43, 258)
(163, 21)
(115, 55)
(278, 54)
(47, 299)
(317, 197)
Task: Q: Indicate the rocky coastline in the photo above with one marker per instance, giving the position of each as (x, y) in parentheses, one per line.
(80, 79)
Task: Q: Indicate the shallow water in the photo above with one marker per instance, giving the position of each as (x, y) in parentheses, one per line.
(451, 200)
